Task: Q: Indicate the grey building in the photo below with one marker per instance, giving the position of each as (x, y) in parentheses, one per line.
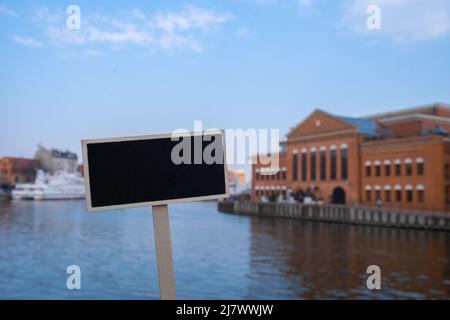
(53, 160)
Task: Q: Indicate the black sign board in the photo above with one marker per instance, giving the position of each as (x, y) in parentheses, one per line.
(154, 170)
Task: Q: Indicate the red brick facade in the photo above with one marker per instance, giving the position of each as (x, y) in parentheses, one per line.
(17, 170)
(400, 159)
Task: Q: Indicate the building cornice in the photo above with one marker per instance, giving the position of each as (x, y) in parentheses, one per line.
(408, 110)
(318, 136)
(415, 116)
(325, 113)
(405, 141)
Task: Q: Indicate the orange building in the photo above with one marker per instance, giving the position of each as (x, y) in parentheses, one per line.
(397, 159)
(17, 170)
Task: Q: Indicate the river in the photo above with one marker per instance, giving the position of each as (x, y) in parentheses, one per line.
(216, 255)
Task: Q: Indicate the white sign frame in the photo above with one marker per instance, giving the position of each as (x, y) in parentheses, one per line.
(85, 142)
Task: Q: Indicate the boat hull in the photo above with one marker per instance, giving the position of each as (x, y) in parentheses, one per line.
(59, 186)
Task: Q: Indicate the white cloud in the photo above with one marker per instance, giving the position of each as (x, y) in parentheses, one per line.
(7, 11)
(136, 13)
(126, 34)
(190, 18)
(401, 20)
(92, 53)
(27, 42)
(165, 31)
(177, 30)
(172, 40)
(305, 3)
(243, 33)
(302, 4)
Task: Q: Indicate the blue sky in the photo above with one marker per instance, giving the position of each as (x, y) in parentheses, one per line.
(144, 67)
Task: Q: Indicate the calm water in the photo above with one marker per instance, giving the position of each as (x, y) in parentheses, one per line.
(216, 256)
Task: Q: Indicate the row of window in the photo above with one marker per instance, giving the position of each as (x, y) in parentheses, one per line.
(270, 175)
(325, 162)
(270, 188)
(270, 192)
(400, 168)
(397, 195)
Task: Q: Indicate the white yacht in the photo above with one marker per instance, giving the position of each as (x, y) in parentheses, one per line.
(61, 185)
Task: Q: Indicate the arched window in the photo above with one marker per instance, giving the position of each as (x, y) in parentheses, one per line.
(408, 167)
(295, 165)
(377, 192)
(420, 168)
(377, 168)
(368, 193)
(420, 193)
(344, 161)
(333, 164)
(368, 166)
(409, 193)
(398, 167)
(313, 163)
(323, 163)
(398, 193)
(387, 193)
(304, 164)
(387, 168)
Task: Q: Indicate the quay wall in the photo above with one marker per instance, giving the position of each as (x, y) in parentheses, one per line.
(341, 214)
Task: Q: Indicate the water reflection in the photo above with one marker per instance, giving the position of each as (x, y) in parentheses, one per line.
(319, 260)
(217, 256)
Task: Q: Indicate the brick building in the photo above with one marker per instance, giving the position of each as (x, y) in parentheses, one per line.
(399, 159)
(17, 170)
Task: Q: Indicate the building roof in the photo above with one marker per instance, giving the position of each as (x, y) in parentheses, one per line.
(364, 126)
(22, 164)
(413, 116)
(56, 153)
(64, 154)
(369, 125)
(440, 131)
(431, 109)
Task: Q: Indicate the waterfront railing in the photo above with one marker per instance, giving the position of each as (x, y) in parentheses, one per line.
(389, 217)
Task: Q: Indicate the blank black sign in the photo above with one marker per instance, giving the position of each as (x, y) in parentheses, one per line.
(138, 171)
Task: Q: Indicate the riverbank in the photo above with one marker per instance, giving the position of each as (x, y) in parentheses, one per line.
(385, 217)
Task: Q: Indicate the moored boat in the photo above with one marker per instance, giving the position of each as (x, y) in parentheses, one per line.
(61, 185)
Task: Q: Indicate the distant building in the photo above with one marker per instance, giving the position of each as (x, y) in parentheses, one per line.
(398, 159)
(55, 160)
(17, 170)
(80, 170)
(236, 181)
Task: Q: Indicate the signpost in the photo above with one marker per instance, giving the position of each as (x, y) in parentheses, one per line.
(155, 171)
